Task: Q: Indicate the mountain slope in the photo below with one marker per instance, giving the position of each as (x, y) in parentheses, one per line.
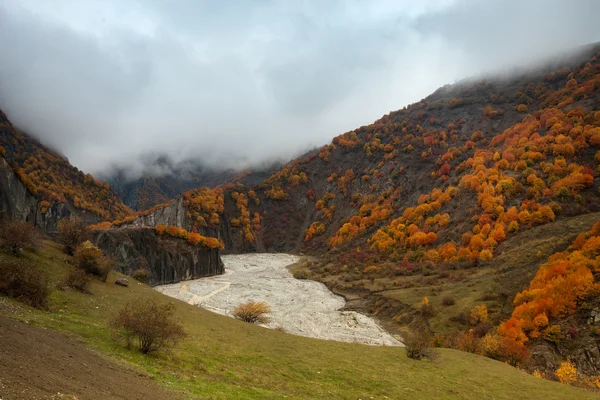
(424, 201)
(507, 153)
(52, 179)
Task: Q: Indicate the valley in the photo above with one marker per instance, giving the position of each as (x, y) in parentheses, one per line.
(448, 249)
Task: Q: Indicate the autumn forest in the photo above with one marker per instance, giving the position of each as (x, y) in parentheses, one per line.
(474, 212)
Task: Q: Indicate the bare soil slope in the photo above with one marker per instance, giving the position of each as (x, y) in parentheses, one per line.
(40, 363)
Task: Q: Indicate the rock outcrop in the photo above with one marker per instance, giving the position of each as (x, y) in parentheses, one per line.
(175, 214)
(171, 215)
(166, 260)
(17, 202)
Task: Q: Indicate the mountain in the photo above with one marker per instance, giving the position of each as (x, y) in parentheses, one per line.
(50, 177)
(450, 204)
(167, 179)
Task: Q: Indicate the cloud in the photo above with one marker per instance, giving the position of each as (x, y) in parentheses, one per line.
(233, 83)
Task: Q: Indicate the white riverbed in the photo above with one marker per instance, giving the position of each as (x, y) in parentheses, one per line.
(301, 307)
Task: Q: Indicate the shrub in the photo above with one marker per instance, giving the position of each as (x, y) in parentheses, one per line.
(22, 281)
(71, 232)
(448, 301)
(253, 312)
(140, 275)
(149, 323)
(418, 343)
(426, 307)
(522, 108)
(468, 342)
(566, 373)
(491, 345)
(77, 279)
(538, 374)
(478, 314)
(513, 352)
(553, 334)
(482, 329)
(90, 259)
(16, 235)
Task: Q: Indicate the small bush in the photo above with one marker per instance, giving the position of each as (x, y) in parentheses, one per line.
(448, 301)
(478, 314)
(149, 323)
(90, 259)
(418, 343)
(489, 296)
(426, 308)
(71, 232)
(482, 329)
(140, 275)
(461, 317)
(491, 345)
(553, 334)
(253, 312)
(77, 279)
(468, 342)
(22, 281)
(16, 235)
(566, 373)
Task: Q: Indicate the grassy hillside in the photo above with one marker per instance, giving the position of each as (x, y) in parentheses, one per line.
(226, 359)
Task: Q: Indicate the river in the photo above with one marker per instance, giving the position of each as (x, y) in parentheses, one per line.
(300, 307)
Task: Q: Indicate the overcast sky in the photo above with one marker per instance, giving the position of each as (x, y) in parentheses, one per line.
(234, 82)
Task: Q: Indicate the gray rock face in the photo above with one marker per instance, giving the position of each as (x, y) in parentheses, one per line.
(167, 260)
(122, 282)
(18, 203)
(171, 215)
(15, 199)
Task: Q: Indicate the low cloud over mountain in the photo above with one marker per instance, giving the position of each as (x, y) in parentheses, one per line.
(237, 83)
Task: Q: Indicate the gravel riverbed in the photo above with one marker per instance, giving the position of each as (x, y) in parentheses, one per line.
(300, 307)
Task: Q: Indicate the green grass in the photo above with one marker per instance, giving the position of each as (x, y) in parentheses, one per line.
(466, 294)
(227, 359)
(516, 262)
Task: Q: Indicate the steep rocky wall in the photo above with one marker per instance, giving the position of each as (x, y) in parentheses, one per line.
(18, 203)
(173, 214)
(15, 199)
(167, 260)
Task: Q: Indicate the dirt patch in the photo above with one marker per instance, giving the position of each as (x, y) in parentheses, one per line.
(38, 363)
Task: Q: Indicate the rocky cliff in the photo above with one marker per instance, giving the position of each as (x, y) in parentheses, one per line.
(173, 214)
(17, 202)
(166, 260)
